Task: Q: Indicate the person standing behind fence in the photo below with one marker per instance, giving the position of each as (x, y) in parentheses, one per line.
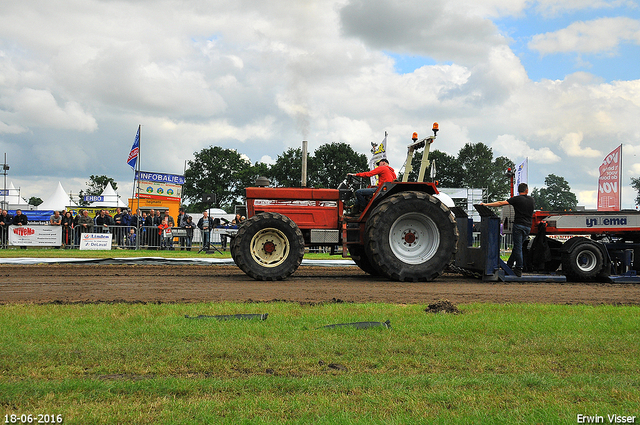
(118, 233)
(55, 220)
(171, 223)
(20, 220)
(205, 224)
(130, 240)
(85, 224)
(67, 229)
(103, 221)
(181, 219)
(149, 229)
(157, 221)
(5, 221)
(164, 232)
(188, 225)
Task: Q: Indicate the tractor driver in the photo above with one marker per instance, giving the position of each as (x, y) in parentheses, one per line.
(384, 173)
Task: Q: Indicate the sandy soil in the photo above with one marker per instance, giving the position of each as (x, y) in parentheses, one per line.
(310, 284)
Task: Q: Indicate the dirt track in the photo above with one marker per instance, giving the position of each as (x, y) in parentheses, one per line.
(310, 284)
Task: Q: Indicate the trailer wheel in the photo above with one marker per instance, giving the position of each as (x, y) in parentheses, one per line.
(359, 256)
(268, 246)
(411, 236)
(583, 262)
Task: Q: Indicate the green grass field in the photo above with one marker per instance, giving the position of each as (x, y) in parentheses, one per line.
(147, 363)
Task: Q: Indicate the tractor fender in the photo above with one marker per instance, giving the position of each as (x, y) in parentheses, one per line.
(392, 188)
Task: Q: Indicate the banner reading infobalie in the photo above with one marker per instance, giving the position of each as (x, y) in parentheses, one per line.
(609, 181)
(159, 185)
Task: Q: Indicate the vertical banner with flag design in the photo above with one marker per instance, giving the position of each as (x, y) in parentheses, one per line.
(379, 152)
(522, 173)
(609, 181)
(135, 150)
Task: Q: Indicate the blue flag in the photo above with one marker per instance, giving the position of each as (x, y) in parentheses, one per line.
(135, 149)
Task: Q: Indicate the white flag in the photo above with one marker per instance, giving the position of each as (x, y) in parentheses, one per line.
(522, 173)
(379, 151)
(433, 169)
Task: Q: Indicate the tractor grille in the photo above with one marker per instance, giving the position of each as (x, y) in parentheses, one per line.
(325, 236)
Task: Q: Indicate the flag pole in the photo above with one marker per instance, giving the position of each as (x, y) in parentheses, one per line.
(136, 185)
(620, 181)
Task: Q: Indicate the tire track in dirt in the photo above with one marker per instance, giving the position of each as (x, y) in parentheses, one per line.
(310, 284)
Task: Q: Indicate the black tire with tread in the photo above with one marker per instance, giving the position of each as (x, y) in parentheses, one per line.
(584, 251)
(359, 256)
(242, 250)
(378, 236)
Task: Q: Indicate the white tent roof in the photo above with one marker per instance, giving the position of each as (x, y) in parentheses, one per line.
(13, 196)
(58, 201)
(111, 199)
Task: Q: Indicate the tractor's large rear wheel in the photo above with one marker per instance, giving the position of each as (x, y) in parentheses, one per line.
(268, 246)
(411, 236)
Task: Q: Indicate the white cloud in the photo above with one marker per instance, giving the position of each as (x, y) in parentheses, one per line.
(266, 159)
(600, 35)
(571, 145)
(515, 149)
(443, 30)
(40, 109)
(587, 197)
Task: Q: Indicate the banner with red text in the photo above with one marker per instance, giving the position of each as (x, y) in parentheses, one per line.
(609, 181)
(35, 235)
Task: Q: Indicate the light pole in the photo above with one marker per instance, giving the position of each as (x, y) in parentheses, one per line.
(5, 168)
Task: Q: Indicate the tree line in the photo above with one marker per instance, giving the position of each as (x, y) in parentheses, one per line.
(227, 172)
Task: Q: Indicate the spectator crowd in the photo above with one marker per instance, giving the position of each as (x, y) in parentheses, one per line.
(156, 228)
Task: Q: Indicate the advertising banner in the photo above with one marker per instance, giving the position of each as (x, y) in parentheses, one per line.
(159, 186)
(93, 211)
(35, 235)
(95, 241)
(609, 181)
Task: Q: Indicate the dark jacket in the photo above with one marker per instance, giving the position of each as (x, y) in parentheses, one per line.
(20, 219)
(189, 225)
(202, 223)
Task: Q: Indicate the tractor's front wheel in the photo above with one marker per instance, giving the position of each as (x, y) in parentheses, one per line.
(268, 246)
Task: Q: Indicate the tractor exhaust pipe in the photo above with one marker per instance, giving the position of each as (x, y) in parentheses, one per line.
(304, 163)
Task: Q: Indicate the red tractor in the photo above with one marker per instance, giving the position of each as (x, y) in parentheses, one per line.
(405, 232)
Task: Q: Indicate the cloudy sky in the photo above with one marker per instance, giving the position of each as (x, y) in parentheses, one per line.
(557, 81)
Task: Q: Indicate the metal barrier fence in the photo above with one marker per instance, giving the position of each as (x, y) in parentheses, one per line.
(150, 237)
(128, 237)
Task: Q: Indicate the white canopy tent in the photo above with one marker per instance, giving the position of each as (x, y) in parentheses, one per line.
(13, 197)
(111, 199)
(58, 201)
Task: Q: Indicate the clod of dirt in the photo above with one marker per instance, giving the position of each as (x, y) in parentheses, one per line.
(442, 306)
(337, 366)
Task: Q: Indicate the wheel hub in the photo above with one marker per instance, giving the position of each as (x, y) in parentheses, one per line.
(269, 247)
(414, 238)
(586, 261)
(409, 237)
